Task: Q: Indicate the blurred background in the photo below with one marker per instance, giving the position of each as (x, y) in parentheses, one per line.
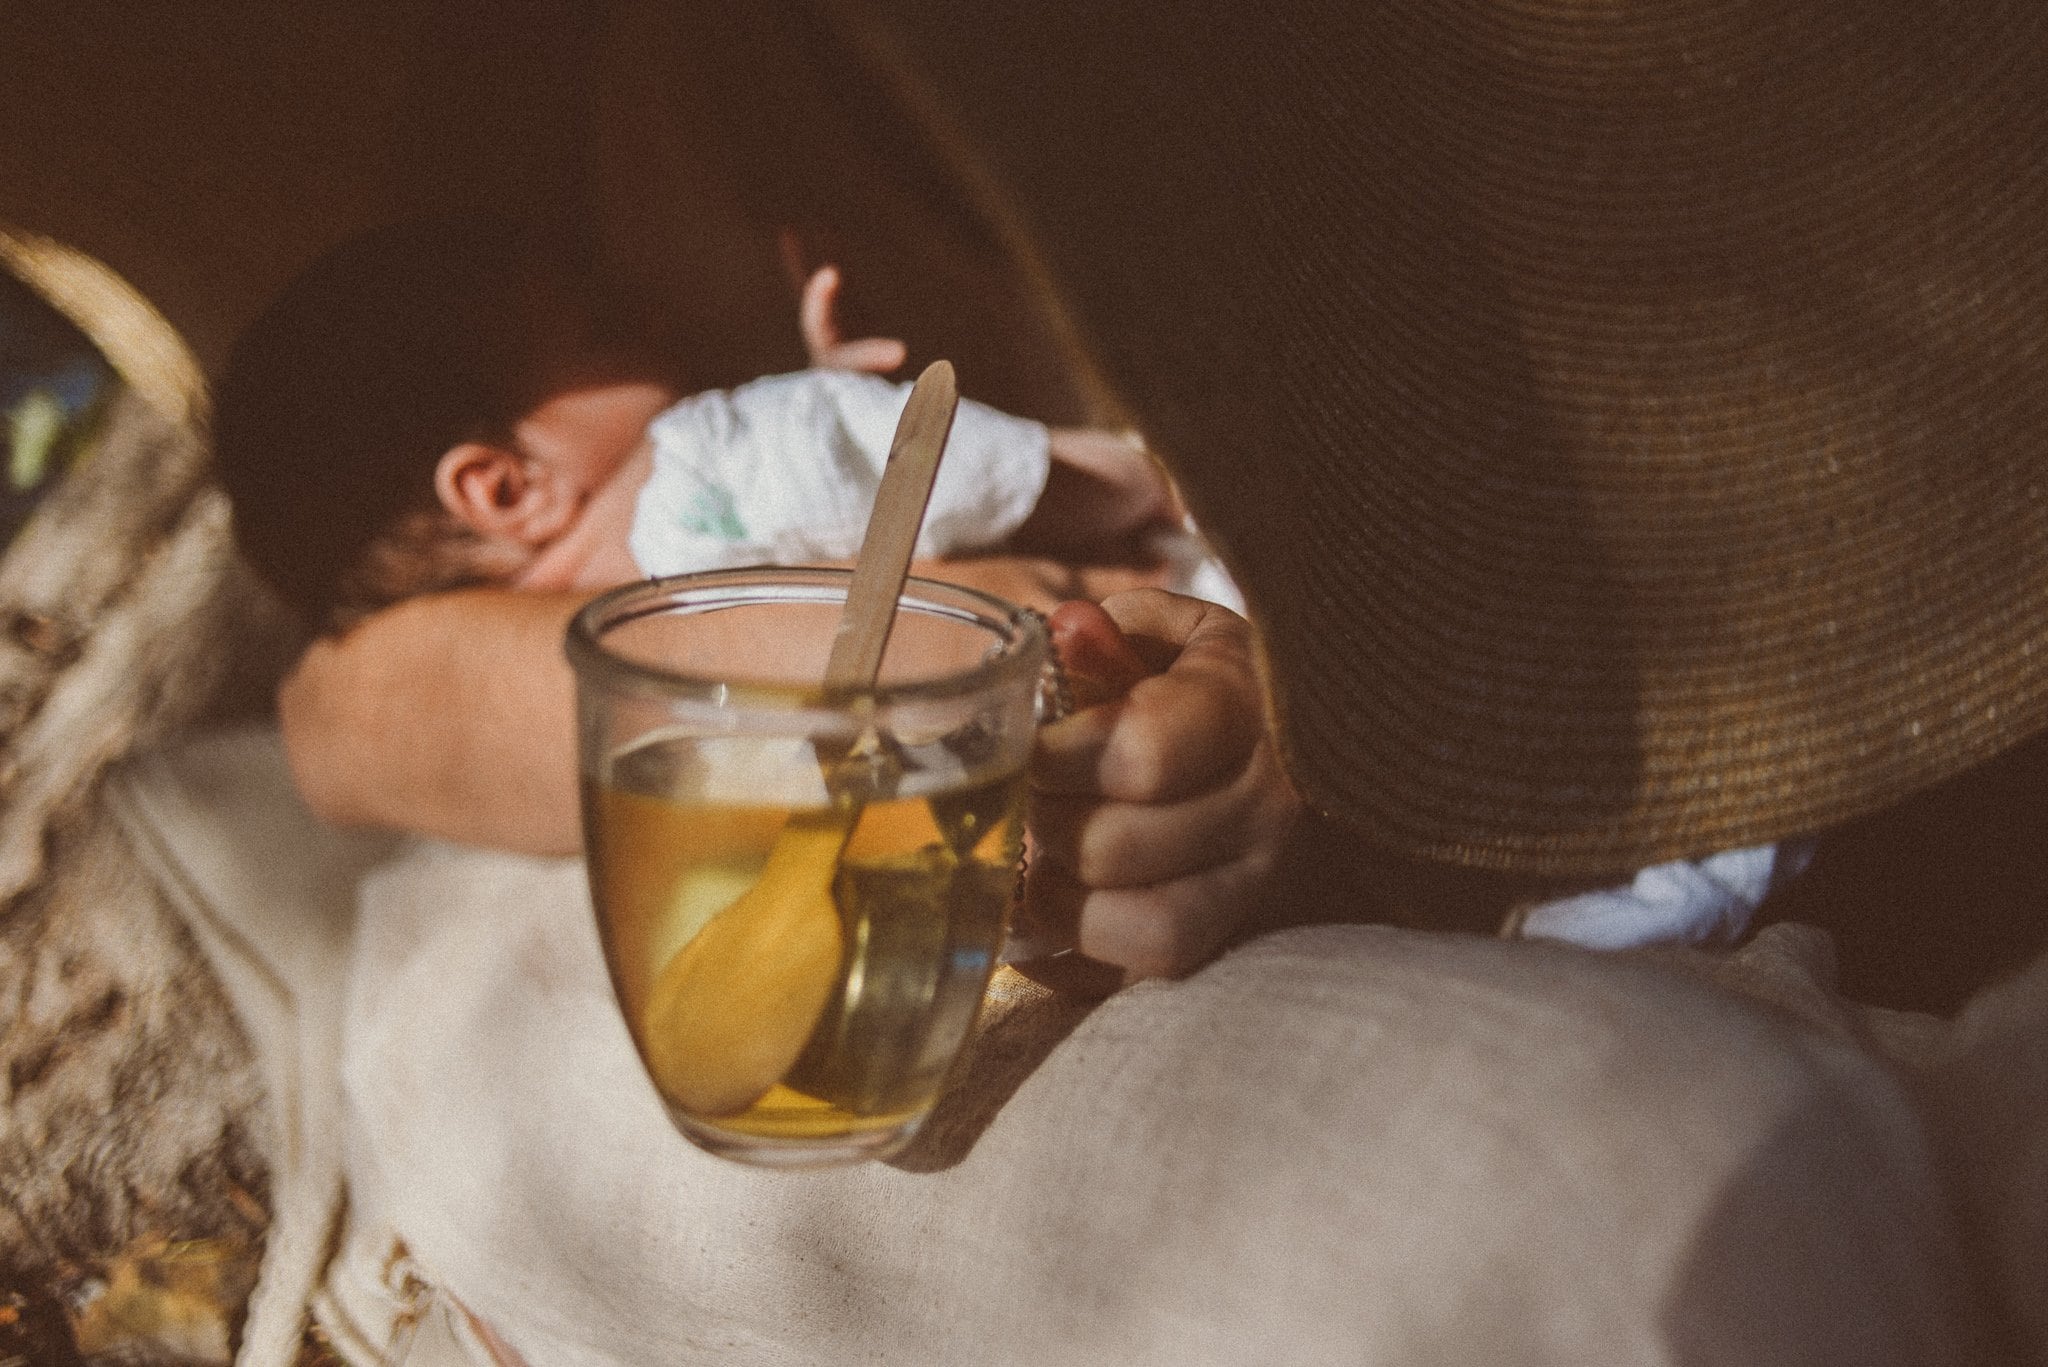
(206, 151)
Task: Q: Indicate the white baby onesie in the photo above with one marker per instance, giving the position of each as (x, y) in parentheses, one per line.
(784, 471)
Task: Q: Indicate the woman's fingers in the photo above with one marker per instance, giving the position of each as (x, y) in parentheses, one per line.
(1171, 736)
(1134, 844)
(1166, 930)
(1174, 928)
(1157, 815)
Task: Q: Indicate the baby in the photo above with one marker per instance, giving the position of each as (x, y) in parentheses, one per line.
(458, 401)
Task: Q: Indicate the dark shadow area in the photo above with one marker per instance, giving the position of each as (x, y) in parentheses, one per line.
(1936, 897)
(1023, 1023)
(1317, 321)
(206, 153)
(1861, 1289)
(766, 107)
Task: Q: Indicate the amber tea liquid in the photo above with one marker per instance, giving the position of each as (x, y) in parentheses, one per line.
(922, 890)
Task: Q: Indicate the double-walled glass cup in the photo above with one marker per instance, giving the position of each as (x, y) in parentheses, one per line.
(801, 897)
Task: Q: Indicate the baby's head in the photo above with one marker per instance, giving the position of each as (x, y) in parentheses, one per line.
(387, 426)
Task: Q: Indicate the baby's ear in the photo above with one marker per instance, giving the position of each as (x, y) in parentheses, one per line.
(500, 495)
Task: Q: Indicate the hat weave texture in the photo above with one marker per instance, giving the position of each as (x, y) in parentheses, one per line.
(1626, 419)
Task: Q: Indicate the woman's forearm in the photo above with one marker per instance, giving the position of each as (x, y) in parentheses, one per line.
(453, 715)
(450, 715)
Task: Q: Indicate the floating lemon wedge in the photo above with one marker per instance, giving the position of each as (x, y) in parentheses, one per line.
(732, 1010)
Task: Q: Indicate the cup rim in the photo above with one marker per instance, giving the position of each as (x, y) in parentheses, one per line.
(1017, 628)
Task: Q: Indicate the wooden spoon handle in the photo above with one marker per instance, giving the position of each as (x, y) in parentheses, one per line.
(885, 551)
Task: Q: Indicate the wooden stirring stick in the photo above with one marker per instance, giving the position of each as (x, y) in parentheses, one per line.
(732, 1010)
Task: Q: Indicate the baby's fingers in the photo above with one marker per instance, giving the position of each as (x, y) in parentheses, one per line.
(817, 312)
(818, 318)
(874, 355)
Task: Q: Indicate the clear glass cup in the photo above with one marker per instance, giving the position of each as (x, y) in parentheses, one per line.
(801, 897)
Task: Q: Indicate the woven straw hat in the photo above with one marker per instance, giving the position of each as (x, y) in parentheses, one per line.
(1628, 420)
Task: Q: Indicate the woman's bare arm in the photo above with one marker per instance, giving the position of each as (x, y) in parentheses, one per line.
(451, 715)
(454, 715)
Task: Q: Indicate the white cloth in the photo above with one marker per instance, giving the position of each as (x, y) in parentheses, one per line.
(1706, 902)
(784, 470)
(1192, 568)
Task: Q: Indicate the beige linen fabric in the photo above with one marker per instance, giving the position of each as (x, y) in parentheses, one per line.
(1986, 1086)
(1338, 1144)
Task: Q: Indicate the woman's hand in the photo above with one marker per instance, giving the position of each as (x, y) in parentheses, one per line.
(1158, 809)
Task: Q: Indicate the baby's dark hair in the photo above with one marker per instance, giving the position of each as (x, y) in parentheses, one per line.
(394, 347)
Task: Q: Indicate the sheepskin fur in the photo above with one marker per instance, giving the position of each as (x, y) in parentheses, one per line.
(131, 1110)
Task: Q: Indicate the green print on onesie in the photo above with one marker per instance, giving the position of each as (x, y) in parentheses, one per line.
(711, 512)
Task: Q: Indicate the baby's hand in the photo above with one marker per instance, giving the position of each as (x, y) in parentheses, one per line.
(1158, 809)
(1104, 496)
(818, 317)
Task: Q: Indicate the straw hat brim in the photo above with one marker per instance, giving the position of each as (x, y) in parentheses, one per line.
(1625, 420)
